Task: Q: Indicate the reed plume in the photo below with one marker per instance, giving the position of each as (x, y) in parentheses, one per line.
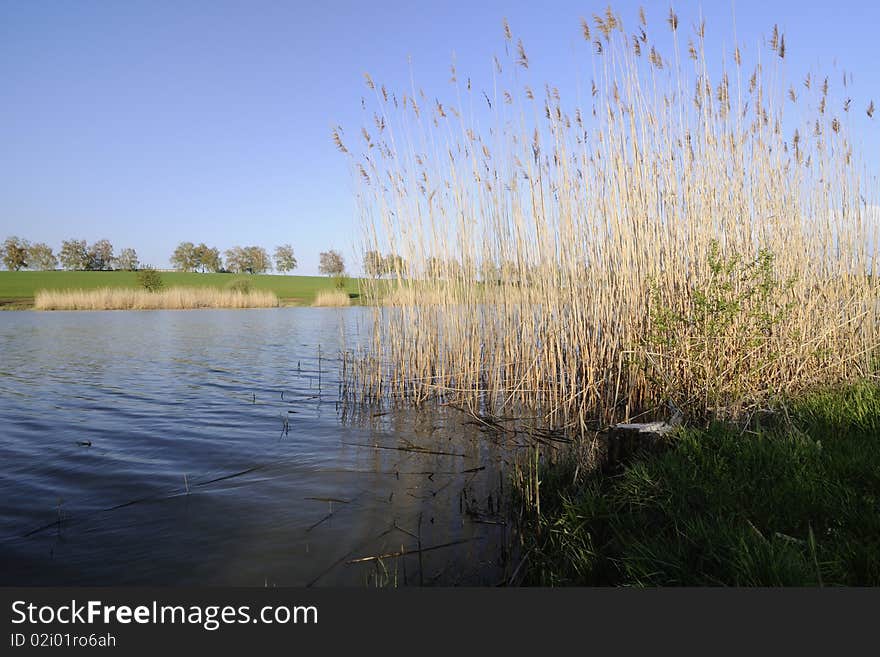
(715, 250)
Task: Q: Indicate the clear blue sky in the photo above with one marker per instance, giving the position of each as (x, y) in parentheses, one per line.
(150, 123)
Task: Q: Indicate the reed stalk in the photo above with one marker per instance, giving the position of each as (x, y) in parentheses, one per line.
(693, 235)
(181, 298)
(333, 298)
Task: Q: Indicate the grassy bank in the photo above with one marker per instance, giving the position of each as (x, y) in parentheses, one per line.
(18, 289)
(793, 504)
(175, 298)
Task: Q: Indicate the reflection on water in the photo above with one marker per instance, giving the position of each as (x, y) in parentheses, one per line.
(209, 447)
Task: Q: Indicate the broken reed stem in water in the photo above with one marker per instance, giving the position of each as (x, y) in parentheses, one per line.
(404, 552)
(683, 235)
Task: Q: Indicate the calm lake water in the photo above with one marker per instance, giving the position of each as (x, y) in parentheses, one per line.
(210, 447)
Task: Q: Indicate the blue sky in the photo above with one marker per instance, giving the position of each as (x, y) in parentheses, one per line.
(150, 123)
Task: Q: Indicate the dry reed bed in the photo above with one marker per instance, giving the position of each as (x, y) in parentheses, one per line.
(332, 298)
(685, 236)
(182, 298)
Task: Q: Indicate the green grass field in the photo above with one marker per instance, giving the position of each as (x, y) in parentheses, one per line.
(17, 288)
(795, 503)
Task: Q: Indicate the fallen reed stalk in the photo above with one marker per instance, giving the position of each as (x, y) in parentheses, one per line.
(404, 552)
(688, 234)
(182, 298)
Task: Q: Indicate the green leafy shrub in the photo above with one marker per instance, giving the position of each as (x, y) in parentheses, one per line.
(719, 339)
(240, 285)
(149, 279)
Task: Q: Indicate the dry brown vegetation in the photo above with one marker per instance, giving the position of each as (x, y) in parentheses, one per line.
(335, 298)
(687, 236)
(182, 298)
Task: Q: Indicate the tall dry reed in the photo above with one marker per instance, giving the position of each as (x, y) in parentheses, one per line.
(183, 298)
(334, 298)
(693, 235)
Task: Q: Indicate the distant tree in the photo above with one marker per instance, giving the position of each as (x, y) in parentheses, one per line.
(211, 260)
(184, 257)
(199, 254)
(100, 256)
(248, 260)
(394, 264)
(468, 267)
(284, 258)
(511, 272)
(15, 253)
(236, 260)
(332, 263)
(74, 254)
(439, 268)
(207, 258)
(489, 271)
(150, 279)
(433, 267)
(257, 260)
(40, 257)
(127, 260)
(242, 285)
(374, 264)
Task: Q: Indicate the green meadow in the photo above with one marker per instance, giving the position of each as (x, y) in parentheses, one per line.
(17, 288)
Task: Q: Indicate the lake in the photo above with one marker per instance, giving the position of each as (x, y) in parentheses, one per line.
(210, 447)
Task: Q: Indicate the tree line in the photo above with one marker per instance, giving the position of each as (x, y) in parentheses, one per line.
(377, 265)
(238, 259)
(78, 255)
(19, 254)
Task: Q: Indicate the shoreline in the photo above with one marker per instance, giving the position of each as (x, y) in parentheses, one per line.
(18, 289)
(27, 304)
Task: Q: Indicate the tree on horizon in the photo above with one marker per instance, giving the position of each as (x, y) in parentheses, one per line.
(41, 257)
(284, 259)
(127, 260)
(15, 253)
(332, 263)
(100, 256)
(248, 260)
(74, 255)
